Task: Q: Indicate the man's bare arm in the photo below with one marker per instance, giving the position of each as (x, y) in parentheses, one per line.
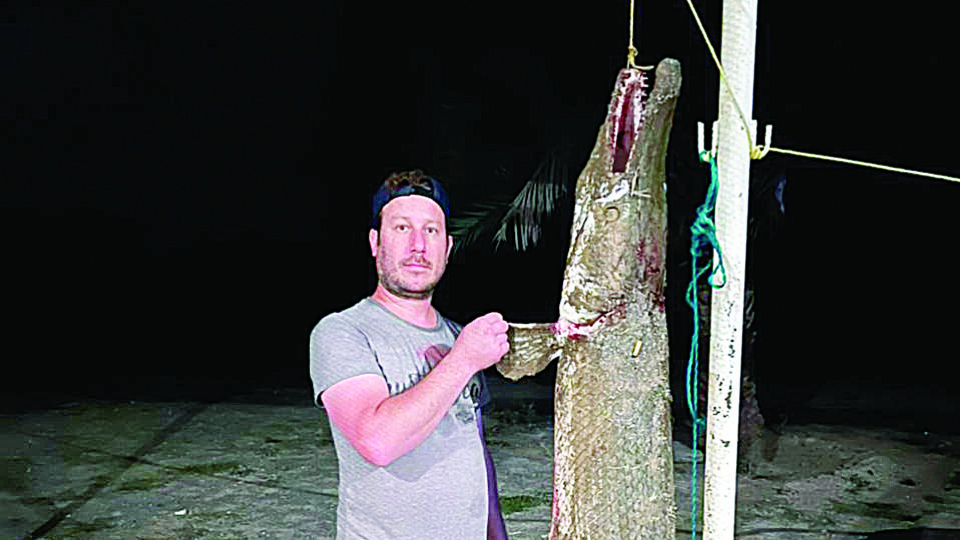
(383, 427)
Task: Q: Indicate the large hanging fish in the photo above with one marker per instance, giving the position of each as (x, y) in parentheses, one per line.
(613, 467)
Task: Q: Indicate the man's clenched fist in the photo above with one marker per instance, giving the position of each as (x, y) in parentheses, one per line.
(483, 342)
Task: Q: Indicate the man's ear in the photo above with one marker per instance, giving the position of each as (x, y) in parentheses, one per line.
(374, 238)
(449, 247)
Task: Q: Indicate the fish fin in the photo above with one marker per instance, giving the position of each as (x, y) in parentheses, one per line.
(532, 347)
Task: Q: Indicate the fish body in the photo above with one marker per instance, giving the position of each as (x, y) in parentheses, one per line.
(613, 467)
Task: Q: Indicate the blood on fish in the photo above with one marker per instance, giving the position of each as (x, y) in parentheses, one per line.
(628, 117)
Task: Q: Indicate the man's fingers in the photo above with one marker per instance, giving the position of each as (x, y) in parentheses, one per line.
(492, 323)
(494, 317)
(486, 336)
(497, 323)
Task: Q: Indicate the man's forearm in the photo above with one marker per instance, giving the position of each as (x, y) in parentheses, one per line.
(403, 421)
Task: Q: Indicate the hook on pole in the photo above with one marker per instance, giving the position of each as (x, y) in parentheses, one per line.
(757, 152)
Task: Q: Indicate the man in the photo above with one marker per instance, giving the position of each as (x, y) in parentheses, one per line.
(402, 387)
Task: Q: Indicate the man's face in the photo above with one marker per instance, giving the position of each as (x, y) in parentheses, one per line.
(412, 247)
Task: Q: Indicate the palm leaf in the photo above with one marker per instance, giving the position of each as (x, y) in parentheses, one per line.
(519, 221)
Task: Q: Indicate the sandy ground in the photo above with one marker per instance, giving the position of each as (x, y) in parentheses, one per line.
(263, 466)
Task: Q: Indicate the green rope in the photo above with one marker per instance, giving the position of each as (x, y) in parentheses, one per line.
(703, 236)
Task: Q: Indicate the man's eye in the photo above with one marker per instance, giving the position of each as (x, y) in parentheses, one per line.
(432, 230)
(401, 228)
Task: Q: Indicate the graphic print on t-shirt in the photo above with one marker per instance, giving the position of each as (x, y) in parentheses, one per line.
(463, 409)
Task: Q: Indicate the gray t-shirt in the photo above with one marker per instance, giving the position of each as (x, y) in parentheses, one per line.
(438, 489)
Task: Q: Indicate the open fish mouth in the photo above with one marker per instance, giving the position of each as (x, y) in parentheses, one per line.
(604, 223)
(625, 117)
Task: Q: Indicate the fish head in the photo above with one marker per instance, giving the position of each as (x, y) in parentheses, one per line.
(602, 260)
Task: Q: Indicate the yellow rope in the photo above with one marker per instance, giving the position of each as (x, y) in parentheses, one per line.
(759, 152)
(863, 164)
(631, 50)
(754, 152)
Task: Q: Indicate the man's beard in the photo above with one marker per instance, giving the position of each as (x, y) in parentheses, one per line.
(389, 275)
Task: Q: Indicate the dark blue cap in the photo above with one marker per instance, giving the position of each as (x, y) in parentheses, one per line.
(408, 183)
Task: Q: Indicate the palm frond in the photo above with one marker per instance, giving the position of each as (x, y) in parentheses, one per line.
(468, 226)
(519, 221)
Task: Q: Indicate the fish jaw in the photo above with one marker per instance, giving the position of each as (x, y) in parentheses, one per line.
(602, 258)
(625, 117)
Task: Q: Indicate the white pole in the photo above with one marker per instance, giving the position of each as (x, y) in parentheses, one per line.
(726, 332)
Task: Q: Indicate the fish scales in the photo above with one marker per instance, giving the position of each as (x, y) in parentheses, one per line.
(613, 466)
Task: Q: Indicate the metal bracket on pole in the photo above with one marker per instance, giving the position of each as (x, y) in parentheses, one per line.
(700, 140)
(701, 146)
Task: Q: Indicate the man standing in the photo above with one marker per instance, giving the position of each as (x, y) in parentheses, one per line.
(401, 386)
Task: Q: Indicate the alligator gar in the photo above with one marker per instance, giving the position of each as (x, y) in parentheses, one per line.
(613, 466)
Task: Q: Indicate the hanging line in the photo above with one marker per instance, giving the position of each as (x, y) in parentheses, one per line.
(704, 236)
(759, 152)
(631, 50)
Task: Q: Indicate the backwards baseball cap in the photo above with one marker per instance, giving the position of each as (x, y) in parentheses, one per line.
(408, 183)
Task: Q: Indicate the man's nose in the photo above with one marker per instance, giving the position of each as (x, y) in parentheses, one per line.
(418, 241)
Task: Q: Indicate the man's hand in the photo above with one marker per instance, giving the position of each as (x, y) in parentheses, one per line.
(483, 342)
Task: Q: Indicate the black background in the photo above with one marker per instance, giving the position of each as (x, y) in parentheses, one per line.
(186, 188)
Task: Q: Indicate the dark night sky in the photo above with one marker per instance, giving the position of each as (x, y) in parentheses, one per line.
(186, 188)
